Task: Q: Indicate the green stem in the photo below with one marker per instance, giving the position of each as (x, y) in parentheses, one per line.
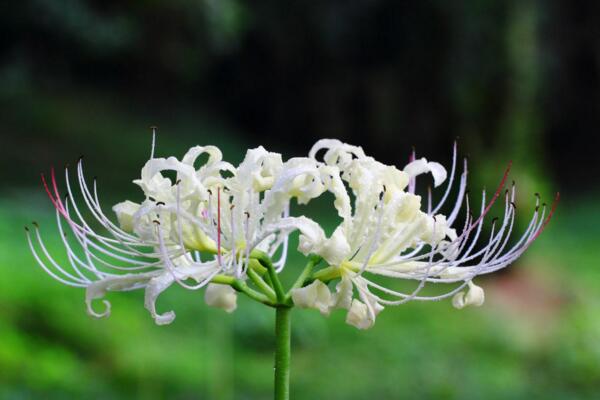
(266, 289)
(241, 286)
(304, 276)
(282, 352)
(268, 264)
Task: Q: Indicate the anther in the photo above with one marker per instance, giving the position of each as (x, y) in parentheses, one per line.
(160, 203)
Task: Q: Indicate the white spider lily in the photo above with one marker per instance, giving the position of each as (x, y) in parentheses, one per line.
(386, 233)
(123, 258)
(160, 241)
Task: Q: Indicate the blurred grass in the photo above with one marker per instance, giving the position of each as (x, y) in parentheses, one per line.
(536, 336)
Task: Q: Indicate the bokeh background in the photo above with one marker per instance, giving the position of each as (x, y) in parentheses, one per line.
(512, 80)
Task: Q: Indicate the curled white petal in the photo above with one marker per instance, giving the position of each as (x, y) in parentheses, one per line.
(155, 287)
(316, 295)
(125, 212)
(343, 293)
(221, 296)
(98, 289)
(422, 166)
(359, 315)
(475, 296)
(335, 249)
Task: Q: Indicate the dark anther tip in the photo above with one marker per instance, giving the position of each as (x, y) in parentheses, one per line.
(232, 206)
(80, 158)
(157, 222)
(153, 127)
(209, 192)
(544, 204)
(513, 204)
(537, 195)
(151, 198)
(26, 229)
(178, 181)
(160, 203)
(35, 224)
(247, 214)
(494, 220)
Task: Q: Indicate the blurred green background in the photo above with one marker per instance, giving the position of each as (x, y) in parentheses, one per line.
(514, 80)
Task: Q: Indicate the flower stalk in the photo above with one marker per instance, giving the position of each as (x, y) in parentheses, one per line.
(283, 333)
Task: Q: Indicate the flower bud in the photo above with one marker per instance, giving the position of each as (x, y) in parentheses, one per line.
(221, 296)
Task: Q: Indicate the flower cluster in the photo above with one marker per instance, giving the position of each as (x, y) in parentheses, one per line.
(218, 226)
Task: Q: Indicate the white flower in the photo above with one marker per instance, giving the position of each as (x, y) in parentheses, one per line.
(212, 209)
(385, 232)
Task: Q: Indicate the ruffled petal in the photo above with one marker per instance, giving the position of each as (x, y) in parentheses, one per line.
(316, 295)
(337, 152)
(422, 166)
(125, 212)
(221, 296)
(475, 296)
(313, 240)
(343, 293)
(155, 287)
(98, 289)
(359, 315)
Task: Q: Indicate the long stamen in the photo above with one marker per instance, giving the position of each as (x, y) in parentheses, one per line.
(154, 128)
(219, 225)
